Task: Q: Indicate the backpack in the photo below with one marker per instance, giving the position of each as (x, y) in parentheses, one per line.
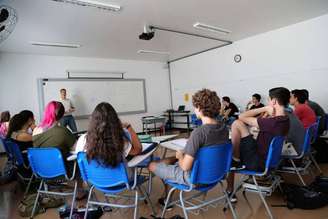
(304, 197)
(8, 173)
(320, 184)
(25, 206)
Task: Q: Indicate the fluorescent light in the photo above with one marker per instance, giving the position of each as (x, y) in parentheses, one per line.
(153, 52)
(92, 3)
(63, 45)
(211, 28)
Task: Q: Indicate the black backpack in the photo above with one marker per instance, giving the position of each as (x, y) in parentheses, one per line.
(304, 197)
(320, 184)
(8, 173)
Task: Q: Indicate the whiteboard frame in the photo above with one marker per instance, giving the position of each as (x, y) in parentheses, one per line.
(41, 81)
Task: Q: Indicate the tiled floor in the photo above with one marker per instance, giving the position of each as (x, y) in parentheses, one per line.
(250, 208)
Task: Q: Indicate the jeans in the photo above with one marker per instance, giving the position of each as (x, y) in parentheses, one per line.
(70, 122)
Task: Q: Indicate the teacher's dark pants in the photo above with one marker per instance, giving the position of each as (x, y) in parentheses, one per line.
(70, 122)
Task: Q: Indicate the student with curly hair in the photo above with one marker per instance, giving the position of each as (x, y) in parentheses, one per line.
(108, 140)
(207, 107)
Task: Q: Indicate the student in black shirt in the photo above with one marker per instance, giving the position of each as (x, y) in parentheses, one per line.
(228, 108)
(255, 103)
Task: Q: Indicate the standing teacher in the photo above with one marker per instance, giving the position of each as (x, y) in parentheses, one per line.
(68, 119)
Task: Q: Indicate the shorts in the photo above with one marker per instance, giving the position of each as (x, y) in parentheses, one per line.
(248, 154)
(173, 173)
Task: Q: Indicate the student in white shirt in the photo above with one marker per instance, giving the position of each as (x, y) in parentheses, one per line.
(68, 119)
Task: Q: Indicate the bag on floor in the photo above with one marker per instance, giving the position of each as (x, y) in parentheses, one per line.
(321, 148)
(320, 184)
(304, 197)
(8, 173)
(93, 213)
(25, 206)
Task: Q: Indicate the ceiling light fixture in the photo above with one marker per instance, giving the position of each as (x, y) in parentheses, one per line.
(62, 45)
(93, 3)
(211, 28)
(142, 51)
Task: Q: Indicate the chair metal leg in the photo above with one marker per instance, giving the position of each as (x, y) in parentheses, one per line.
(36, 199)
(28, 185)
(167, 202)
(135, 215)
(148, 199)
(315, 163)
(183, 205)
(73, 200)
(297, 172)
(87, 206)
(262, 198)
(228, 201)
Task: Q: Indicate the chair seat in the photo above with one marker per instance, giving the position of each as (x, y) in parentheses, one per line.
(122, 187)
(202, 188)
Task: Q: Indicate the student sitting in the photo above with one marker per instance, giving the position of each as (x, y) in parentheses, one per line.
(250, 152)
(211, 132)
(228, 110)
(107, 138)
(302, 110)
(4, 123)
(50, 134)
(296, 131)
(318, 110)
(18, 130)
(255, 103)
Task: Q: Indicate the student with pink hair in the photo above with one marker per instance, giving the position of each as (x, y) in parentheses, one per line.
(50, 134)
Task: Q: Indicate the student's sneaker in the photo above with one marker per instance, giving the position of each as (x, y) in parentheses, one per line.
(233, 199)
(237, 165)
(161, 201)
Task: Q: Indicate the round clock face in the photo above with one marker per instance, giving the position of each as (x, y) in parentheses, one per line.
(237, 58)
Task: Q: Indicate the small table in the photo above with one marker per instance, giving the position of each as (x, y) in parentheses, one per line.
(152, 120)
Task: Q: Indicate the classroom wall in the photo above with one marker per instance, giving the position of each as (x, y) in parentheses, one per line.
(19, 74)
(295, 57)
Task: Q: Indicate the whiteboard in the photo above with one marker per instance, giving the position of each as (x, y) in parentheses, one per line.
(127, 96)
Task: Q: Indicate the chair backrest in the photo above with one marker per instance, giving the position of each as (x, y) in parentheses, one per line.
(46, 162)
(309, 135)
(195, 121)
(274, 153)
(211, 164)
(4, 143)
(316, 130)
(15, 153)
(100, 176)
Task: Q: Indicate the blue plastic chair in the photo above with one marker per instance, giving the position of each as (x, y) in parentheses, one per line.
(15, 155)
(305, 153)
(110, 181)
(210, 167)
(195, 121)
(271, 164)
(48, 164)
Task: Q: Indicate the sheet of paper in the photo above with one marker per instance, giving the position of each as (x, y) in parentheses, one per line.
(163, 138)
(177, 144)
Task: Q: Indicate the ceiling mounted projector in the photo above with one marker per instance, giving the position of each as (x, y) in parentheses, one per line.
(147, 34)
(8, 20)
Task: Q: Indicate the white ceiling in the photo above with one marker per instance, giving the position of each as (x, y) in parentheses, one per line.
(115, 35)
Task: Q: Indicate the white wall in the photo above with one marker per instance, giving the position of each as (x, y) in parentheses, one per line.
(19, 74)
(295, 57)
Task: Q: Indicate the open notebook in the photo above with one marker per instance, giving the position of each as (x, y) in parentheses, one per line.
(147, 150)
